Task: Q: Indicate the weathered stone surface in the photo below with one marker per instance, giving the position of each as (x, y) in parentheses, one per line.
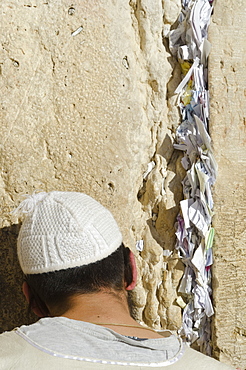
(88, 112)
(228, 112)
(86, 109)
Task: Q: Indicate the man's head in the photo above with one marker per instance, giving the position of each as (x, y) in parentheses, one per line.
(69, 244)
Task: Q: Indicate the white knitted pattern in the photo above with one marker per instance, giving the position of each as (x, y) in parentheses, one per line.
(65, 229)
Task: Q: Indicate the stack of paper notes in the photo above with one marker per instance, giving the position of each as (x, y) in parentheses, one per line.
(188, 42)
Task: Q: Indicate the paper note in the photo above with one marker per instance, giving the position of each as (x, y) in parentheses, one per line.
(140, 245)
(188, 42)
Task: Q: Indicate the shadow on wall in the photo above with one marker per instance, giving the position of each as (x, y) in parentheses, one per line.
(169, 203)
(13, 307)
(161, 193)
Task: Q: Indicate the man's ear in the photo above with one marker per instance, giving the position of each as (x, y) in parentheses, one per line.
(31, 300)
(26, 291)
(132, 260)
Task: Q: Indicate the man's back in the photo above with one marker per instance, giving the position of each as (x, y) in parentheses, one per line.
(61, 343)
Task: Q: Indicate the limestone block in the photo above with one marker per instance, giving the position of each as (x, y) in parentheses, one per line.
(172, 10)
(227, 127)
(85, 108)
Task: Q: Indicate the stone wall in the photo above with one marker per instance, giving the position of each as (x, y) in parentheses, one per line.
(86, 107)
(87, 102)
(228, 120)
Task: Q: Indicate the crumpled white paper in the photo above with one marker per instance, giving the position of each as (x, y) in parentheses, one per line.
(188, 42)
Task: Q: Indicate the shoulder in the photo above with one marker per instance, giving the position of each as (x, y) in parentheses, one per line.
(8, 339)
(12, 348)
(195, 360)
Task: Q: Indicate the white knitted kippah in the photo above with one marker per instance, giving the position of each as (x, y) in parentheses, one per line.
(62, 230)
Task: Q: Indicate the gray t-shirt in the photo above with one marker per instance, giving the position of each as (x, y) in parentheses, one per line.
(64, 344)
(78, 339)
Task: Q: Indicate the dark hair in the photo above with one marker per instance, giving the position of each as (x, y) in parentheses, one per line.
(54, 288)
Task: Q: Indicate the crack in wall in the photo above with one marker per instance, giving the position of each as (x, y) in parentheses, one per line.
(161, 183)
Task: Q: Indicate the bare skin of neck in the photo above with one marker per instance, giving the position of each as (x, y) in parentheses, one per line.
(107, 307)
